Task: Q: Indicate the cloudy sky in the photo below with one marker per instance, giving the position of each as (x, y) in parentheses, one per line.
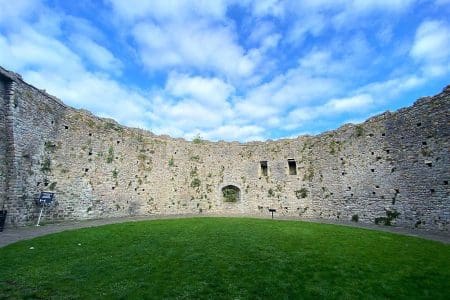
(227, 69)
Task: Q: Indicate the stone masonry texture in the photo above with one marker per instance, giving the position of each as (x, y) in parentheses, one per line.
(392, 168)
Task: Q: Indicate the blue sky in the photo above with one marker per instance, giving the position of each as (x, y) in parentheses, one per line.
(230, 70)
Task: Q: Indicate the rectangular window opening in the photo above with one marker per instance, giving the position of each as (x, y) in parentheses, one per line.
(264, 168)
(292, 167)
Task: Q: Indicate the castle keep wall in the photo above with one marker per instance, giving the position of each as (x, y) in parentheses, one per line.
(3, 167)
(394, 167)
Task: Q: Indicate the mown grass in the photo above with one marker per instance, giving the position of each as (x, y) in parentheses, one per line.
(224, 258)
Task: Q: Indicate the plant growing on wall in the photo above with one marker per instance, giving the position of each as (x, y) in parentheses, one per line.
(50, 146)
(195, 183)
(301, 193)
(197, 139)
(359, 130)
(46, 165)
(194, 158)
(390, 216)
(110, 157)
(193, 172)
(113, 126)
(230, 194)
(334, 146)
(309, 174)
(52, 186)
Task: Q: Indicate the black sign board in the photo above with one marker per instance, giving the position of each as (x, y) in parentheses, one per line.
(272, 210)
(46, 198)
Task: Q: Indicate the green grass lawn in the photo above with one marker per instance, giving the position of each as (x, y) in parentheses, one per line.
(225, 258)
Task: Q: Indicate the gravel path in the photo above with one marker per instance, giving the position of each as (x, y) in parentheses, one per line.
(12, 235)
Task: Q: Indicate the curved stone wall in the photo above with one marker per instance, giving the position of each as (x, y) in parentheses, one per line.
(392, 168)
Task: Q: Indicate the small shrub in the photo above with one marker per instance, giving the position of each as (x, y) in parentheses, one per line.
(197, 139)
(46, 165)
(379, 220)
(110, 157)
(355, 218)
(359, 130)
(115, 173)
(301, 193)
(309, 175)
(90, 123)
(142, 157)
(111, 125)
(139, 137)
(425, 152)
(50, 146)
(195, 158)
(193, 172)
(390, 216)
(270, 192)
(230, 194)
(335, 146)
(52, 186)
(171, 162)
(195, 183)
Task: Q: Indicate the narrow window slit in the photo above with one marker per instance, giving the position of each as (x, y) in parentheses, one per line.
(264, 168)
(292, 167)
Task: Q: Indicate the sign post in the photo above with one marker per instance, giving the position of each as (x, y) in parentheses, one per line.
(45, 199)
(272, 210)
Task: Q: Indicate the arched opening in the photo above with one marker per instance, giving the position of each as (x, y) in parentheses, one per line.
(231, 193)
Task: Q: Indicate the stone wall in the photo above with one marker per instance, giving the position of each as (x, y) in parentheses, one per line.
(3, 167)
(394, 167)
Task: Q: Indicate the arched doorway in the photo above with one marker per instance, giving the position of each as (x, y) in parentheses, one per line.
(231, 193)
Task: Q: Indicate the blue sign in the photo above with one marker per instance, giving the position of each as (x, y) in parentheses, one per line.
(46, 198)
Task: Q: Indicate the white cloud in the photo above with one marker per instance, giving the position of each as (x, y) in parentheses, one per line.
(48, 63)
(389, 89)
(311, 24)
(27, 49)
(169, 9)
(189, 115)
(103, 96)
(192, 104)
(333, 107)
(96, 54)
(358, 102)
(272, 68)
(340, 59)
(207, 91)
(431, 47)
(197, 45)
(268, 7)
(383, 5)
(295, 88)
(261, 31)
(235, 133)
(12, 11)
